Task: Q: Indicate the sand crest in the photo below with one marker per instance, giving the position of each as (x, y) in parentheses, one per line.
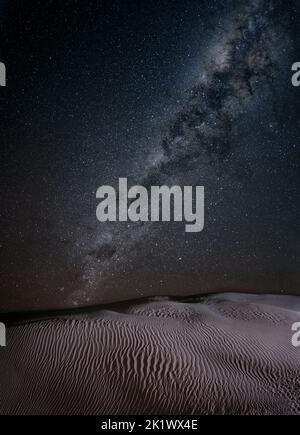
(224, 354)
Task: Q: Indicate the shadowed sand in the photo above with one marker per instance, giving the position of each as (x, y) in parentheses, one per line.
(223, 354)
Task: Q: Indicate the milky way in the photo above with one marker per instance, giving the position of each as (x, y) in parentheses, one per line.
(243, 62)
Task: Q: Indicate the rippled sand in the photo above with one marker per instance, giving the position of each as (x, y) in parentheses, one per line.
(224, 354)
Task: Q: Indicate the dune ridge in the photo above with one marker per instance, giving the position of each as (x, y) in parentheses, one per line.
(222, 354)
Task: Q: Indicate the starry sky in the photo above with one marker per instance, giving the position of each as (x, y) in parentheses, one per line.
(189, 92)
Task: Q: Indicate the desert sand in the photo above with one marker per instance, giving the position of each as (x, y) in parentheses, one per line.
(221, 354)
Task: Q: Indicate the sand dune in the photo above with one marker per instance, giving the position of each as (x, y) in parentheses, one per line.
(224, 354)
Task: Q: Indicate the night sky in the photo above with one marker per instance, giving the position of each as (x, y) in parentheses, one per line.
(189, 92)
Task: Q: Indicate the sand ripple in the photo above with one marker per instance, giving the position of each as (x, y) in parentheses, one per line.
(226, 354)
